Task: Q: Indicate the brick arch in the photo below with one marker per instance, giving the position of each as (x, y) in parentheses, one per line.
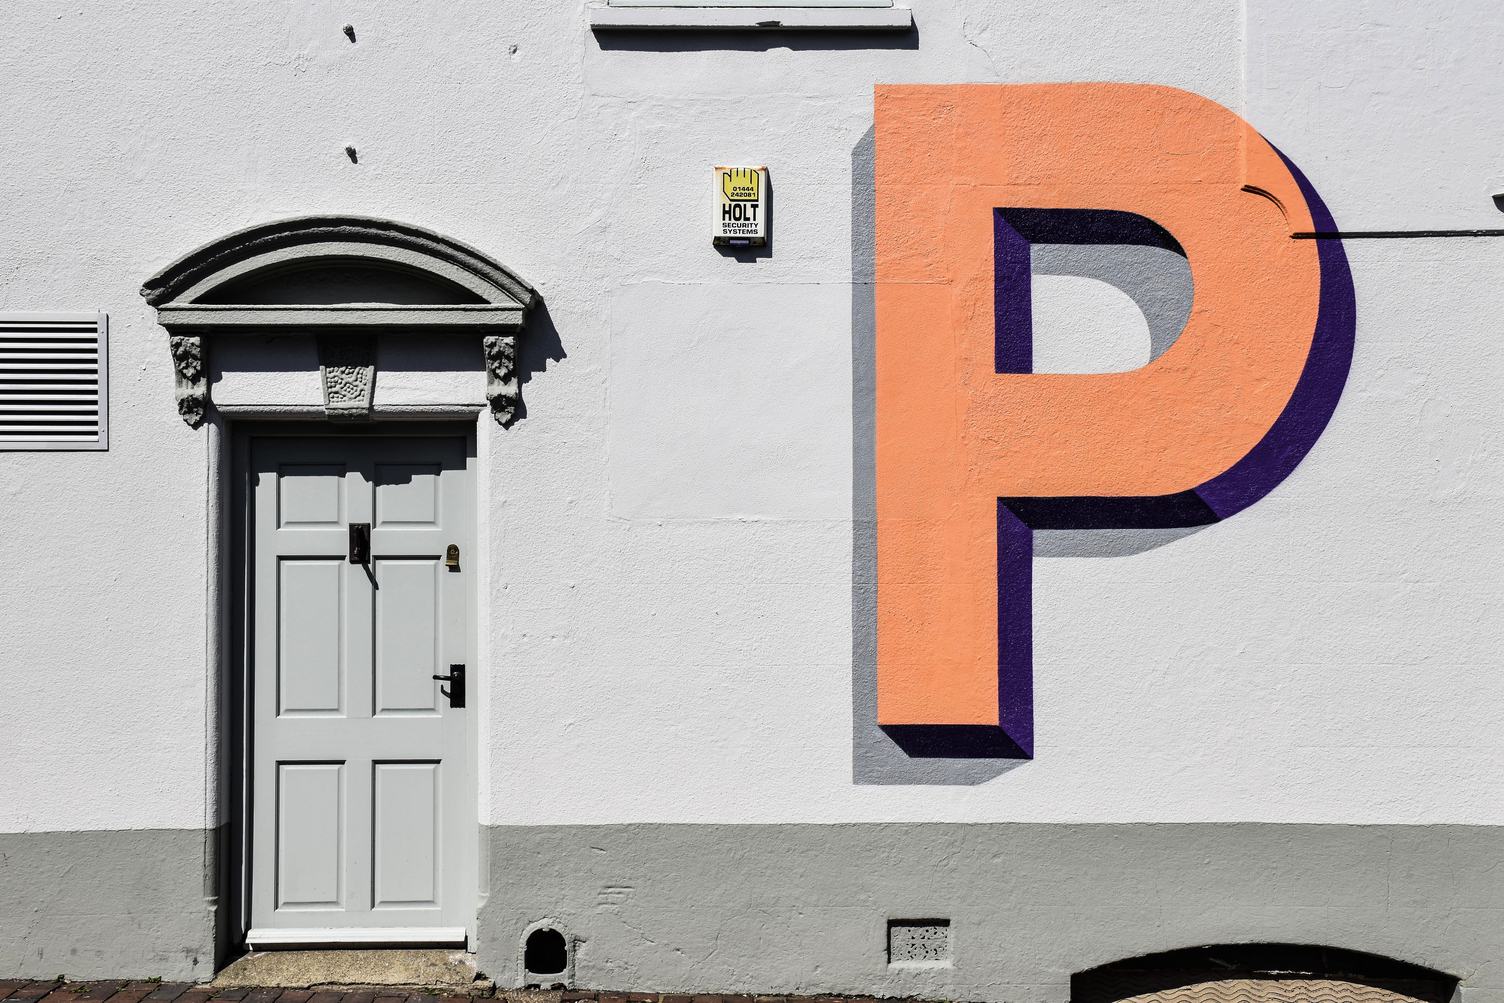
(1261, 973)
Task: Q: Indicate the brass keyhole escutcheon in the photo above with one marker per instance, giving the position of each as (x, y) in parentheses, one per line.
(452, 557)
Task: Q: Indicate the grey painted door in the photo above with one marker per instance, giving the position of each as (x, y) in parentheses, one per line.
(362, 804)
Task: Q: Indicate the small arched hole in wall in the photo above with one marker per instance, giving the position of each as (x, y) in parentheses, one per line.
(545, 952)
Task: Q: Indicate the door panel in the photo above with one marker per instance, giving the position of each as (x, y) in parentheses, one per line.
(311, 636)
(310, 494)
(310, 834)
(407, 636)
(361, 789)
(407, 493)
(408, 834)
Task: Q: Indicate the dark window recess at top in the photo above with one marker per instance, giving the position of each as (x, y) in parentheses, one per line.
(711, 15)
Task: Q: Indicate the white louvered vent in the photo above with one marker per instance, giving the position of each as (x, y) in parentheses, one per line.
(52, 381)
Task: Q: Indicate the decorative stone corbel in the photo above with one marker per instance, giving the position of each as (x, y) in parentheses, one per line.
(191, 388)
(347, 369)
(502, 389)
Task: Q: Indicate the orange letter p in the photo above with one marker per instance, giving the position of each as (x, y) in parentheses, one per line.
(975, 451)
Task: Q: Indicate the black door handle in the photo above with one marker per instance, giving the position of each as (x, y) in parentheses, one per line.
(456, 681)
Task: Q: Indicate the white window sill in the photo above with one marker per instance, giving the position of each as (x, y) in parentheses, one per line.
(606, 17)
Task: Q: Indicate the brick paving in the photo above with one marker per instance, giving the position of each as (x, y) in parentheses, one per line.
(56, 991)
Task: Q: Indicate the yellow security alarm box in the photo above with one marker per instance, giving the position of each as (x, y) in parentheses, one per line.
(741, 206)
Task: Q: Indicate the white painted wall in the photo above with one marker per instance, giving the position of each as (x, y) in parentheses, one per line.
(670, 619)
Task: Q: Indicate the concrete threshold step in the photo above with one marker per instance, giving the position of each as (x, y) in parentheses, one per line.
(434, 971)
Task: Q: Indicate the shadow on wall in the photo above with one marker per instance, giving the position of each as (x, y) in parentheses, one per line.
(539, 346)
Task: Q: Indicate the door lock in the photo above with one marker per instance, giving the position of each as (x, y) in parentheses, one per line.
(360, 543)
(456, 681)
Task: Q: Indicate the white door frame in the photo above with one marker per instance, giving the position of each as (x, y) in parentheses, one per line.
(229, 608)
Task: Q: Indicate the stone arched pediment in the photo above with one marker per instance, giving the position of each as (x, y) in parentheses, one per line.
(341, 279)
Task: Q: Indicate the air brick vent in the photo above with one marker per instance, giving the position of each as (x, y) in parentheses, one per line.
(52, 381)
(919, 943)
